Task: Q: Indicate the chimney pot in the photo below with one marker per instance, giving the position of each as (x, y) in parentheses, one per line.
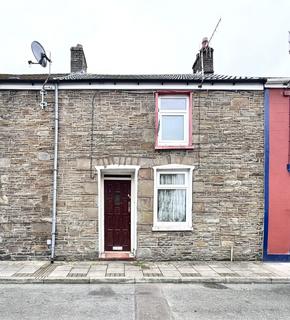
(204, 43)
(78, 61)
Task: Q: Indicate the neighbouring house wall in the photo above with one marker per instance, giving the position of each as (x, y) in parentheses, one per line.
(227, 182)
(26, 146)
(279, 177)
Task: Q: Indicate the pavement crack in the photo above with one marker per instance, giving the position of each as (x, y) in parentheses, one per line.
(171, 316)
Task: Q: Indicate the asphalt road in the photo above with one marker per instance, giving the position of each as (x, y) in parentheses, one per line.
(144, 301)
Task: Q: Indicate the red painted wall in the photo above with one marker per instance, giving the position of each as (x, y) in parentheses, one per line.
(279, 177)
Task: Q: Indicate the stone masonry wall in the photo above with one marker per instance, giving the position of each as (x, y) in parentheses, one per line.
(26, 175)
(227, 181)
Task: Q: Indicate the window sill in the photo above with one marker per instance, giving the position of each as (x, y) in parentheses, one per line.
(174, 147)
(170, 229)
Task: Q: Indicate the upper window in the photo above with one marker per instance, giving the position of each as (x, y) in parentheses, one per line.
(172, 199)
(173, 121)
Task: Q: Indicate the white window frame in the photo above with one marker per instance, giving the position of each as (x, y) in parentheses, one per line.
(173, 169)
(184, 113)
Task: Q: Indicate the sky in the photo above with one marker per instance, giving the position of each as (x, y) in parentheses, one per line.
(147, 36)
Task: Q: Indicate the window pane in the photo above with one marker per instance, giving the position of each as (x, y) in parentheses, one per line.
(171, 206)
(172, 128)
(117, 198)
(173, 104)
(172, 179)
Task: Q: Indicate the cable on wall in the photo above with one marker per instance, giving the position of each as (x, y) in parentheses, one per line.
(199, 140)
(92, 174)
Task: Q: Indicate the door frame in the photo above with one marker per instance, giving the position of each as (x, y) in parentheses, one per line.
(114, 179)
(117, 170)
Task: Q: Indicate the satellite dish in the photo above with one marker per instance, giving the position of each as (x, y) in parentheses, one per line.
(41, 58)
(39, 53)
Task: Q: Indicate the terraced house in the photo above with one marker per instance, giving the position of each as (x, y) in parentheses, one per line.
(132, 166)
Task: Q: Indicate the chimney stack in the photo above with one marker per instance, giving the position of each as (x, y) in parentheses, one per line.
(78, 61)
(204, 59)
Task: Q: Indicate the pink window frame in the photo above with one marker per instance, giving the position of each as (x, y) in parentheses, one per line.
(174, 93)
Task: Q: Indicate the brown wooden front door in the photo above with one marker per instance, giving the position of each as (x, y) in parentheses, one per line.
(117, 195)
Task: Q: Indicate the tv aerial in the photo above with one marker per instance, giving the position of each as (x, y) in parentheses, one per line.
(42, 59)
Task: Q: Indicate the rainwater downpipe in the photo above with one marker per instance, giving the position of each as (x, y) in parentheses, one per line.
(55, 169)
(288, 164)
(286, 94)
(202, 65)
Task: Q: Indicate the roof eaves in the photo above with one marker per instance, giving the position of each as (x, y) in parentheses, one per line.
(96, 78)
(166, 80)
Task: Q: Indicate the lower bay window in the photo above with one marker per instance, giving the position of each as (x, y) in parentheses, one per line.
(173, 198)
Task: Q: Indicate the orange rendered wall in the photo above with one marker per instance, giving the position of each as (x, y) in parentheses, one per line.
(279, 177)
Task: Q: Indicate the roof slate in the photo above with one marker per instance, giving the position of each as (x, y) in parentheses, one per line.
(154, 77)
(83, 77)
(28, 77)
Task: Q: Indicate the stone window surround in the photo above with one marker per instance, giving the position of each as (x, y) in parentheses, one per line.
(174, 226)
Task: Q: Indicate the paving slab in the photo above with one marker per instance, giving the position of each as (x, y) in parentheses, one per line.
(132, 268)
(202, 268)
(278, 268)
(60, 271)
(97, 274)
(134, 274)
(9, 272)
(80, 270)
(98, 268)
(186, 270)
(143, 272)
(29, 269)
(206, 273)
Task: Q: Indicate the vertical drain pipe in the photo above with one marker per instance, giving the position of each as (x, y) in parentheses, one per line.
(54, 198)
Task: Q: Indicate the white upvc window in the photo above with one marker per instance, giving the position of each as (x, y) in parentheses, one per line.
(172, 198)
(173, 120)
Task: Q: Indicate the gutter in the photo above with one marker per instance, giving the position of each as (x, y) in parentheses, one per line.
(55, 171)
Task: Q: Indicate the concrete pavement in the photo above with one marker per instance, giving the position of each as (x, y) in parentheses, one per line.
(143, 272)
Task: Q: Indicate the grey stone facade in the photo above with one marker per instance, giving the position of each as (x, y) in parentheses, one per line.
(227, 181)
